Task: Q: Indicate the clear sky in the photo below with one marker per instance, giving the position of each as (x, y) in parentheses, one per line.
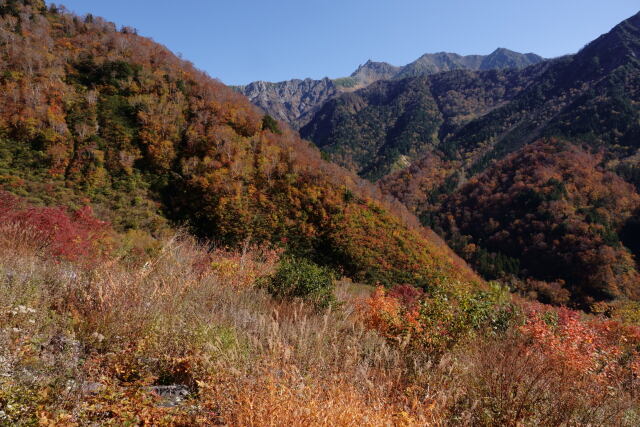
(239, 41)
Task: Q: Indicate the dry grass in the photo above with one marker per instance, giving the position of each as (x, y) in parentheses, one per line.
(191, 316)
(173, 320)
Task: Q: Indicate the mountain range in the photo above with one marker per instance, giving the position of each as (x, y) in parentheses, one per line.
(294, 101)
(436, 141)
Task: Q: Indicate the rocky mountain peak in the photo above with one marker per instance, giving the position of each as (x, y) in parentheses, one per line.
(502, 58)
(372, 71)
(294, 101)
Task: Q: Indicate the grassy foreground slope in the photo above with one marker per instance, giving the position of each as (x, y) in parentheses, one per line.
(94, 333)
(92, 114)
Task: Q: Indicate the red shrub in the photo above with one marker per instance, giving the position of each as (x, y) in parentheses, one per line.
(383, 313)
(409, 296)
(599, 350)
(66, 235)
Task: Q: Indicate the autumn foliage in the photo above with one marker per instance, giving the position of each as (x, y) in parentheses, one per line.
(201, 319)
(90, 112)
(438, 320)
(595, 351)
(531, 363)
(555, 211)
(70, 236)
(245, 319)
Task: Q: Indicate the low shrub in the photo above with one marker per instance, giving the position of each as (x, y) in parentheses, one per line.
(301, 278)
(69, 236)
(558, 368)
(438, 320)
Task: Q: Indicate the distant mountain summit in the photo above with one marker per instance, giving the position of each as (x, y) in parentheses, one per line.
(499, 59)
(371, 71)
(294, 101)
(432, 63)
(502, 58)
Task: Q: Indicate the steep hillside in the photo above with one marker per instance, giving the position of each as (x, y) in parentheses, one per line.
(295, 101)
(548, 212)
(92, 114)
(387, 125)
(592, 97)
(376, 125)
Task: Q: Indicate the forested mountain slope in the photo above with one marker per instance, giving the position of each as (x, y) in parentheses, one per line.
(424, 138)
(90, 114)
(549, 212)
(387, 125)
(591, 97)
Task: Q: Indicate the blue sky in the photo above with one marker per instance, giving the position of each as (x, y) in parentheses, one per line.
(239, 41)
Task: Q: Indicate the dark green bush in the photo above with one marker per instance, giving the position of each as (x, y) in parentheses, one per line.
(301, 278)
(271, 124)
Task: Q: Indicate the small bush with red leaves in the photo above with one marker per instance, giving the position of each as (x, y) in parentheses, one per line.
(556, 368)
(598, 350)
(63, 234)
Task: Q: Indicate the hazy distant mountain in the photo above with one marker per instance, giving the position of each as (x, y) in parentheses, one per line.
(294, 101)
(499, 59)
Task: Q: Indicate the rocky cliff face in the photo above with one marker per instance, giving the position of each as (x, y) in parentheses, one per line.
(295, 101)
(290, 101)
